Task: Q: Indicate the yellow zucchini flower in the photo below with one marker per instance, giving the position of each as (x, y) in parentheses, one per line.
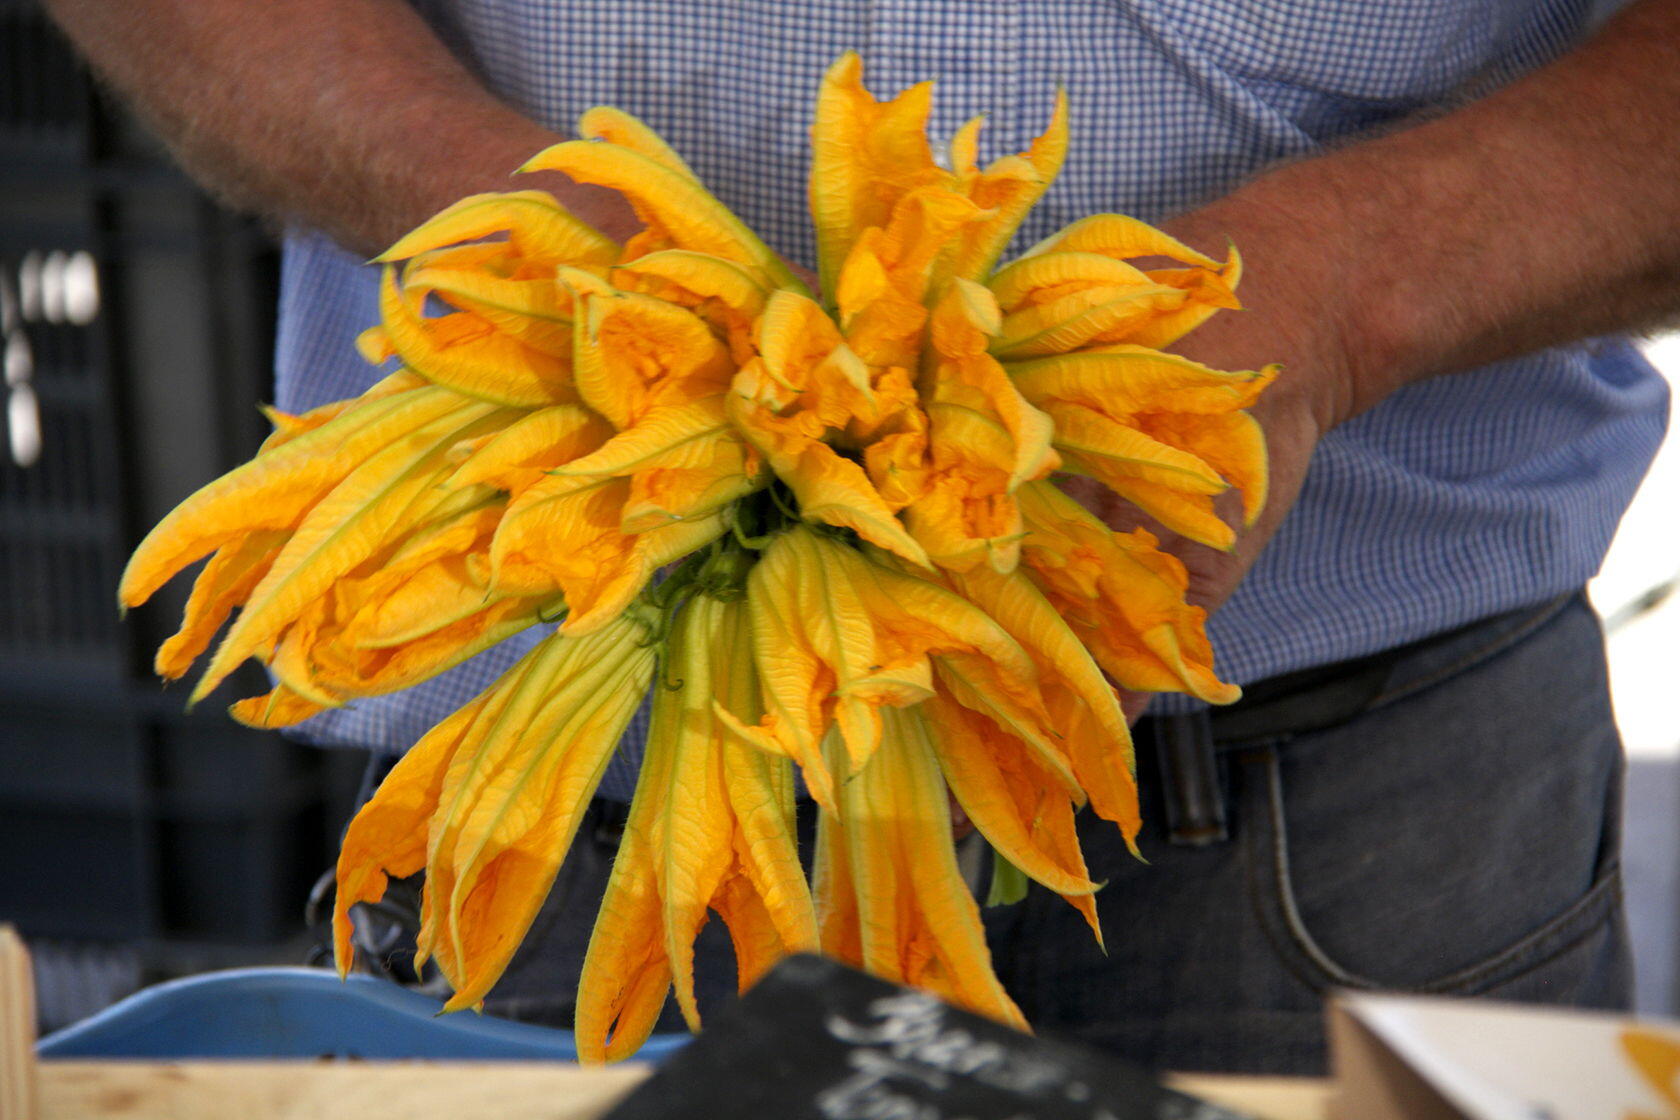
(711, 826)
(487, 803)
(838, 637)
(889, 893)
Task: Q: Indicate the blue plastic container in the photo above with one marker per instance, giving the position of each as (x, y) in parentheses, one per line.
(306, 1013)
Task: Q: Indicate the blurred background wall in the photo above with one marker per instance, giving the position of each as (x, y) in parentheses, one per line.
(139, 841)
(1637, 594)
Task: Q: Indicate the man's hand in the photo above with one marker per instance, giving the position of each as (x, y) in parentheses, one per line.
(1545, 213)
(1286, 319)
(1278, 324)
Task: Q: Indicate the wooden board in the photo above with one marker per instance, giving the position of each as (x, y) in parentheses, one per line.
(17, 1029)
(112, 1090)
(1270, 1098)
(115, 1090)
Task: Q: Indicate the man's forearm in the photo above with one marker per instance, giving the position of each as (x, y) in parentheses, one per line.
(347, 115)
(1547, 212)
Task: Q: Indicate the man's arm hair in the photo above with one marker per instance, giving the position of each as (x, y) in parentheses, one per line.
(1546, 212)
(346, 115)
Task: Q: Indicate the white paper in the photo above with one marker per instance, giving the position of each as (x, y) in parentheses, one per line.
(1496, 1061)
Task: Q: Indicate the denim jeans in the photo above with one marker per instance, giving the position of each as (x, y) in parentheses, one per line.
(1456, 833)
(1442, 819)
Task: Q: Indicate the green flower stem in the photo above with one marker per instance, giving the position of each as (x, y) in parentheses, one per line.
(1009, 883)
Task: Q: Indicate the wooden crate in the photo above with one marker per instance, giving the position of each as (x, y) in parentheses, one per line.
(294, 1090)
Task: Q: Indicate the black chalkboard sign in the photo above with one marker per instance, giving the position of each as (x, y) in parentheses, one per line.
(818, 1041)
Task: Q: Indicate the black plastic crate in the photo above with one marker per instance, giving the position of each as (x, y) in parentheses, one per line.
(74, 873)
(124, 822)
(138, 321)
(44, 94)
(66, 761)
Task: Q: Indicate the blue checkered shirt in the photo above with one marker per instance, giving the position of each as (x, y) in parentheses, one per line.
(1455, 499)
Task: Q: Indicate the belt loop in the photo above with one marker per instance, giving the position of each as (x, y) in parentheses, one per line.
(1191, 789)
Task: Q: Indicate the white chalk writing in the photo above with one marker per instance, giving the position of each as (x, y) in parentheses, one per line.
(916, 1044)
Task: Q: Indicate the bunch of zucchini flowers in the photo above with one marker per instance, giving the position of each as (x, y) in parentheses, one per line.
(820, 532)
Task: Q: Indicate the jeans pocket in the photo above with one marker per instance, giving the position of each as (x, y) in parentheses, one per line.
(1456, 837)
(1551, 944)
